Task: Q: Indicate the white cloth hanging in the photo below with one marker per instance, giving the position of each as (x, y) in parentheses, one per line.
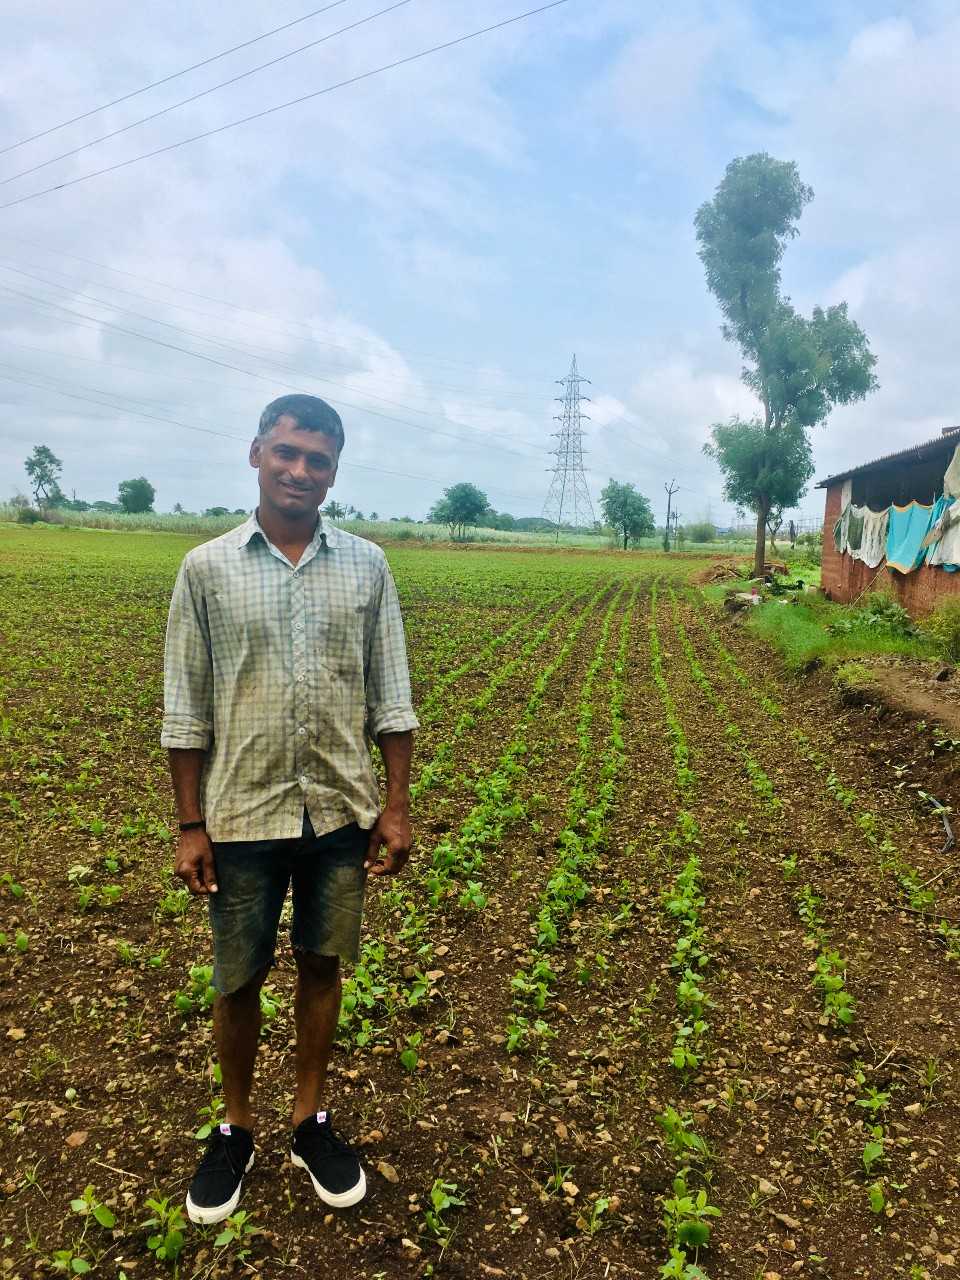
(873, 541)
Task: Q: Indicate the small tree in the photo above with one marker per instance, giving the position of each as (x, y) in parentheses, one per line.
(462, 505)
(799, 369)
(761, 469)
(627, 511)
(44, 468)
(136, 496)
(701, 531)
(335, 510)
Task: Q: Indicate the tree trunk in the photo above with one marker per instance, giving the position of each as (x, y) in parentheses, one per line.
(625, 537)
(760, 551)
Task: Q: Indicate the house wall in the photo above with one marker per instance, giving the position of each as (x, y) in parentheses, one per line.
(844, 578)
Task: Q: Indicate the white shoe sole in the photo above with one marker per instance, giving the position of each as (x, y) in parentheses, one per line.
(207, 1215)
(342, 1201)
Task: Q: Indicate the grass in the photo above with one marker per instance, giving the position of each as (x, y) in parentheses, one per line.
(800, 633)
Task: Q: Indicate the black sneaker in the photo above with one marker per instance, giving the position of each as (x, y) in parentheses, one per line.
(331, 1163)
(215, 1190)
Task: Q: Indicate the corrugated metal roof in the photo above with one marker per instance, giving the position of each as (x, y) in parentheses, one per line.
(915, 453)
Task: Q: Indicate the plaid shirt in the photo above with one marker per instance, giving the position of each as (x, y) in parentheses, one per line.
(282, 673)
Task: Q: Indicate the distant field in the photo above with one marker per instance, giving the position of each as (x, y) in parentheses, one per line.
(376, 530)
(669, 943)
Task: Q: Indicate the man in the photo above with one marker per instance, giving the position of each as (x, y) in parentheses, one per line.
(284, 655)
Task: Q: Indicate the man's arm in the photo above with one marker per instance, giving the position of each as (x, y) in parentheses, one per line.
(194, 859)
(392, 836)
(188, 723)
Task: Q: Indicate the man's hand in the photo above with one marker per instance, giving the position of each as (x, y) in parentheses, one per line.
(390, 841)
(194, 862)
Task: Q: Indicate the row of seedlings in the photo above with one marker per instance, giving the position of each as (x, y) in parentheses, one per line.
(374, 992)
(917, 892)
(579, 841)
(436, 770)
(687, 1213)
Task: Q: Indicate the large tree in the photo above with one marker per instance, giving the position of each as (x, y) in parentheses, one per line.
(136, 496)
(799, 368)
(627, 511)
(461, 506)
(44, 468)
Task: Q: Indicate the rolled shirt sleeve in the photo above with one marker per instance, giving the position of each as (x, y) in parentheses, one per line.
(389, 702)
(187, 668)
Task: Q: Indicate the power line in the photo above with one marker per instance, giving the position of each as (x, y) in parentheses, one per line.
(282, 106)
(198, 355)
(174, 75)
(208, 315)
(355, 466)
(283, 368)
(223, 302)
(202, 93)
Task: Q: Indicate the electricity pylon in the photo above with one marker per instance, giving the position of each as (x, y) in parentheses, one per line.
(569, 496)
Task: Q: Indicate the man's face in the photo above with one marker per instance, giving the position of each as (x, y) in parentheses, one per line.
(296, 467)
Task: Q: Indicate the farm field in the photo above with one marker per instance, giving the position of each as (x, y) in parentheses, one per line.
(670, 987)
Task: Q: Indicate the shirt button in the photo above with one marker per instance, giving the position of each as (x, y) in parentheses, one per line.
(301, 731)
(304, 779)
(300, 678)
(296, 573)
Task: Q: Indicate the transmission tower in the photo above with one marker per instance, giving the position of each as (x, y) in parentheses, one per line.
(569, 497)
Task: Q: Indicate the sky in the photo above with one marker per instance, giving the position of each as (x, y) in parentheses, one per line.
(427, 247)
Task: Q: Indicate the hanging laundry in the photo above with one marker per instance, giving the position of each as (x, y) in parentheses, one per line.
(840, 529)
(907, 527)
(945, 552)
(855, 528)
(873, 542)
(951, 479)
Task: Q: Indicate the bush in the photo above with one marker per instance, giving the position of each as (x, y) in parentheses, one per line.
(943, 628)
(27, 515)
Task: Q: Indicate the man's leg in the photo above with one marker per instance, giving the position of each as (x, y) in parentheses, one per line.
(236, 1025)
(317, 1011)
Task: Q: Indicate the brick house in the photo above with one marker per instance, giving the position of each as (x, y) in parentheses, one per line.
(914, 474)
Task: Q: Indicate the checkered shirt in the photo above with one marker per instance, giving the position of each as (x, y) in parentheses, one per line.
(283, 673)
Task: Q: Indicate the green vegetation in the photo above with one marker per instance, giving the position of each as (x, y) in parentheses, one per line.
(815, 632)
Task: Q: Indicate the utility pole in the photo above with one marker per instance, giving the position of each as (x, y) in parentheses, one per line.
(676, 529)
(568, 488)
(671, 489)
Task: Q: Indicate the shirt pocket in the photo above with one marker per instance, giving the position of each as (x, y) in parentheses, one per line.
(338, 642)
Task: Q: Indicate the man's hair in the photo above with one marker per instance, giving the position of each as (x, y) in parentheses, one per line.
(310, 414)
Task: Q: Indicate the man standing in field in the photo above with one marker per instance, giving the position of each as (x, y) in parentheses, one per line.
(285, 654)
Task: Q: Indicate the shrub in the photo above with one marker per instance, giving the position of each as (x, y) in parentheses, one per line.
(943, 628)
(27, 515)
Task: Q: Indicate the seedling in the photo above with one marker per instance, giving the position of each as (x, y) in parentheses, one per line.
(686, 1215)
(876, 1198)
(88, 1206)
(167, 1237)
(16, 890)
(680, 1135)
(409, 1058)
(443, 1198)
(873, 1150)
(239, 1231)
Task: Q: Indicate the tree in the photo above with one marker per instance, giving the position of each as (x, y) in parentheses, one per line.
(701, 531)
(627, 511)
(216, 512)
(335, 510)
(756, 461)
(799, 369)
(461, 506)
(136, 496)
(44, 468)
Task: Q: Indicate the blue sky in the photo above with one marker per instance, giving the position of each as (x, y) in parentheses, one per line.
(434, 243)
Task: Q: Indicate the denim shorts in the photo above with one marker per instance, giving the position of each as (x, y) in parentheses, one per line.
(253, 877)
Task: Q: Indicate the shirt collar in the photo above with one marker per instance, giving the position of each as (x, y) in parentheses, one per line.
(325, 533)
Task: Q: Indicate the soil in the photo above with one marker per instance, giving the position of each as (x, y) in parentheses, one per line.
(556, 1151)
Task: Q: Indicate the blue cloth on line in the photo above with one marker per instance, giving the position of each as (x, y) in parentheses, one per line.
(906, 531)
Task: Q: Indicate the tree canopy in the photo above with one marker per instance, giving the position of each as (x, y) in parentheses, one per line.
(44, 468)
(799, 368)
(462, 505)
(137, 495)
(627, 511)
